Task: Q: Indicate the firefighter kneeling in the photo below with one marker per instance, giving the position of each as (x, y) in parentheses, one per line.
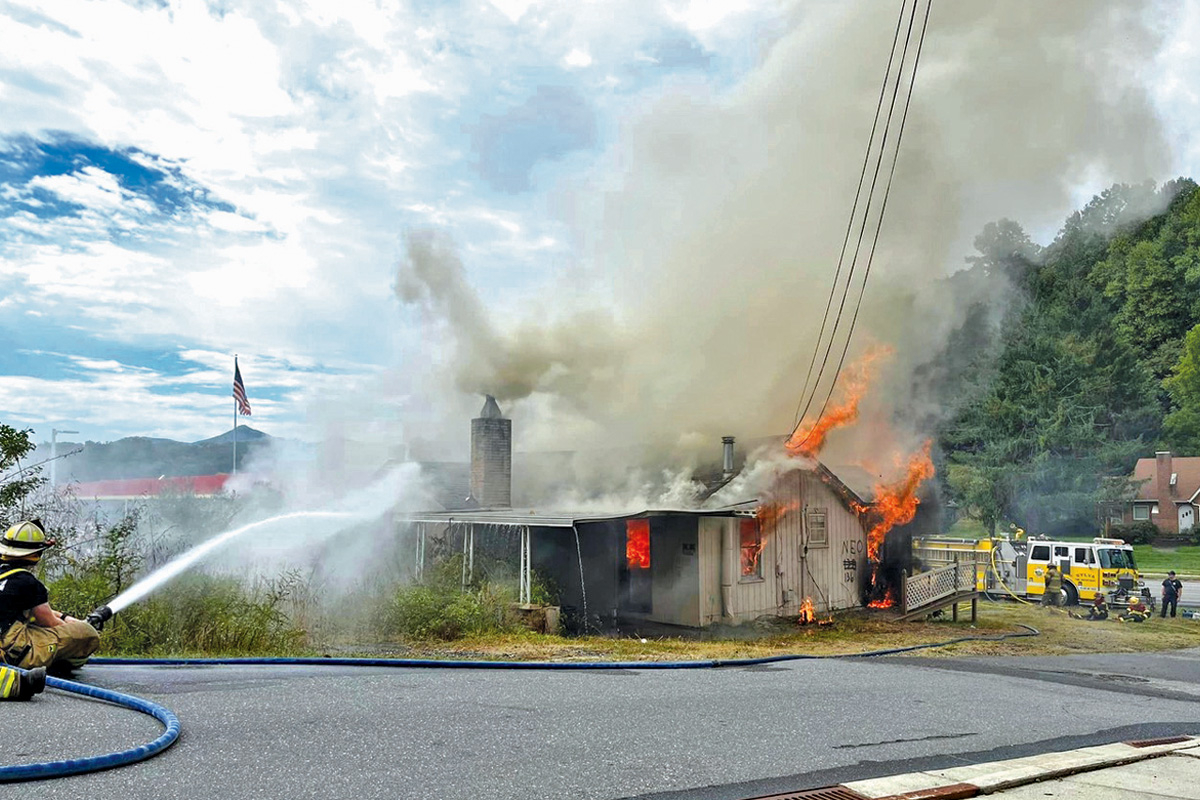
(32, 634)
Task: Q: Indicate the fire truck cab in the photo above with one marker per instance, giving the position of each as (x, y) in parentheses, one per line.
(1018, 566)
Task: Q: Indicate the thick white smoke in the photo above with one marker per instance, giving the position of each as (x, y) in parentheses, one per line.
(714, 222)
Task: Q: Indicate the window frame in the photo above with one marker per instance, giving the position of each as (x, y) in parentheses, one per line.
(810, 515)
(1145, 512)
(753, 525)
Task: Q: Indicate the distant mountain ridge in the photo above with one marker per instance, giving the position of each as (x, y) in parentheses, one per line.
(145, 457)
(244, 434)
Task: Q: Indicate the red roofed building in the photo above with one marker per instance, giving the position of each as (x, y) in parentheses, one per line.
(138, 488)
(1167, 492)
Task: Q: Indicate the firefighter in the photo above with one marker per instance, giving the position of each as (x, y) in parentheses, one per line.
(1099, 610)
(1138, 611)
(32, 634)
(1053, 593)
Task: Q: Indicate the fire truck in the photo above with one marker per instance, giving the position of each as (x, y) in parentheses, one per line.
(1017, 566)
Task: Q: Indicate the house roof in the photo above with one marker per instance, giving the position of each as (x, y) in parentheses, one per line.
(556, 519)
(1187, 482)
(134, 488)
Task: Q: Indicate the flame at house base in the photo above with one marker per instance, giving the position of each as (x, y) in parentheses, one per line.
(895, 505)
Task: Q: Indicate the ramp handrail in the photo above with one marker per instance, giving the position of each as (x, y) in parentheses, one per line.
(932, 585)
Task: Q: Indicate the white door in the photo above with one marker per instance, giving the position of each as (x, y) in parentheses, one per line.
(1187, 517)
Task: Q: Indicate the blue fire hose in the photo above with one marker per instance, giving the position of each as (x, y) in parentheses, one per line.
(75, 766)
(56, 769)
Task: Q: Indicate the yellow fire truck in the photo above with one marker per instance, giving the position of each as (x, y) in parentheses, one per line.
(1017, 566)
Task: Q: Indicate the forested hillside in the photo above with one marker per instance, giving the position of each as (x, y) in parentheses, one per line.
(1096, 363)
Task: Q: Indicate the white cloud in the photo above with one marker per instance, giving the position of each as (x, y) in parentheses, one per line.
(578, 58)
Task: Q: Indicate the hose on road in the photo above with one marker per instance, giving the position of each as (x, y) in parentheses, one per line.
(75, 766)
(55, 769)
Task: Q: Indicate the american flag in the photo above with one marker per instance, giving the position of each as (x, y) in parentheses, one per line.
(239, 391)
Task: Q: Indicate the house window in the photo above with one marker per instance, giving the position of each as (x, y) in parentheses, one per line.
(637, 543)
(818, 531)
(752, 546)
(1141, 512)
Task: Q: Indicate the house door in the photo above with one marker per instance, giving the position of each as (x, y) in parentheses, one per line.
(1187, 517)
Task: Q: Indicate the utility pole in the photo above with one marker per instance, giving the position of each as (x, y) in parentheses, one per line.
(54, 432)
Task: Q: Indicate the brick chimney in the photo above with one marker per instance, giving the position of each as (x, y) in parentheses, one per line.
(491, 457)
(1162, 479)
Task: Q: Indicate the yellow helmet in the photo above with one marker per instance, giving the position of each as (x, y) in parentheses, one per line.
(24, 540)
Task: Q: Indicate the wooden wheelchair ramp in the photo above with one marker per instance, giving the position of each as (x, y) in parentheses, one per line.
(938, 588)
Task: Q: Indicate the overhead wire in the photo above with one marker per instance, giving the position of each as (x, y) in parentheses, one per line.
(853, 208)
(866, 214)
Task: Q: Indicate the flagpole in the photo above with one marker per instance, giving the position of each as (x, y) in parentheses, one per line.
(235, 410)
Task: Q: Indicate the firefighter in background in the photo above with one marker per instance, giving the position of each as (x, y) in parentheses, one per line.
(1097, 611)
(1138, 611)
(32, 634)
(1053, 593)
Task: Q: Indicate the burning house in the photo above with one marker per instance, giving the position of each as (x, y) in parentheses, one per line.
(800, 551)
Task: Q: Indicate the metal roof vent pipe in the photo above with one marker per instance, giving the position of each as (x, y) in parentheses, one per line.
(727, 460)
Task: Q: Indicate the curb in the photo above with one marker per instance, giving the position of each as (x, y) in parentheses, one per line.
(979, 779)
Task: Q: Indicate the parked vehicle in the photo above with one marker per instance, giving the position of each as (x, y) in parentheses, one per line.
(1017, 566)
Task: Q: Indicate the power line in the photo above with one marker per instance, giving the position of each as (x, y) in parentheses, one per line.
(879, 221)
(865, 216)
(853, 211)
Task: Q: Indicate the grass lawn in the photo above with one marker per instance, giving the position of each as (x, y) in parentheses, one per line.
(1184, 560)
(852, 632)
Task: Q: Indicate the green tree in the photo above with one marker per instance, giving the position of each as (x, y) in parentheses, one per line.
(17, 479)
(1181, 429)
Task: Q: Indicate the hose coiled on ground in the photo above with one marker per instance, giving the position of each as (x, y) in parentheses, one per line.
(75, 766)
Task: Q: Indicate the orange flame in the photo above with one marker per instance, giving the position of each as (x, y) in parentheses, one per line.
(896, 504)
(755, 532)
(807, 613)
(809, 437)
(887, 601)
(637, 543)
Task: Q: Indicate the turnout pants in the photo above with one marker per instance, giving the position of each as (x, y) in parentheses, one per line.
(28, 646)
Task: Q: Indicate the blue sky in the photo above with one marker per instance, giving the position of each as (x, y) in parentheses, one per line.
(183, 181)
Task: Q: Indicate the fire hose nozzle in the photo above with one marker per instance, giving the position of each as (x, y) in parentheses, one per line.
(100, 616)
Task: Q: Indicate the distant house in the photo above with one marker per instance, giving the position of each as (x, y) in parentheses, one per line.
(1167, 492)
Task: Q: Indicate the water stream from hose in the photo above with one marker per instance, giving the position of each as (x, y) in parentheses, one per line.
(179, 564)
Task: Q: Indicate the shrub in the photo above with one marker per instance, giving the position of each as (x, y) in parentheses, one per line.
(1135, 532)
(439, 608)
(196, 614)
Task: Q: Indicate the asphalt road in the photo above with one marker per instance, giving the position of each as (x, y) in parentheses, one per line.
(329, 732)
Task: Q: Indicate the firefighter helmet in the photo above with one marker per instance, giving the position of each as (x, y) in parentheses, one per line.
(24, 540)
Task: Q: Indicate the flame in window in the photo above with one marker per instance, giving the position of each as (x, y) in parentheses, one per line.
(637, 543)
(752, 545)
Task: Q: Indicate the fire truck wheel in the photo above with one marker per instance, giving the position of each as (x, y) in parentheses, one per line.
(1070, 595)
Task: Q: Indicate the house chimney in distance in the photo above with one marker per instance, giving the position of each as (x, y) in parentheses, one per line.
(727, 459)
(491, 457)
(1162, 477)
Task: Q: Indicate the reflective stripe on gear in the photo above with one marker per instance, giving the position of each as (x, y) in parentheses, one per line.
(10, 683)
